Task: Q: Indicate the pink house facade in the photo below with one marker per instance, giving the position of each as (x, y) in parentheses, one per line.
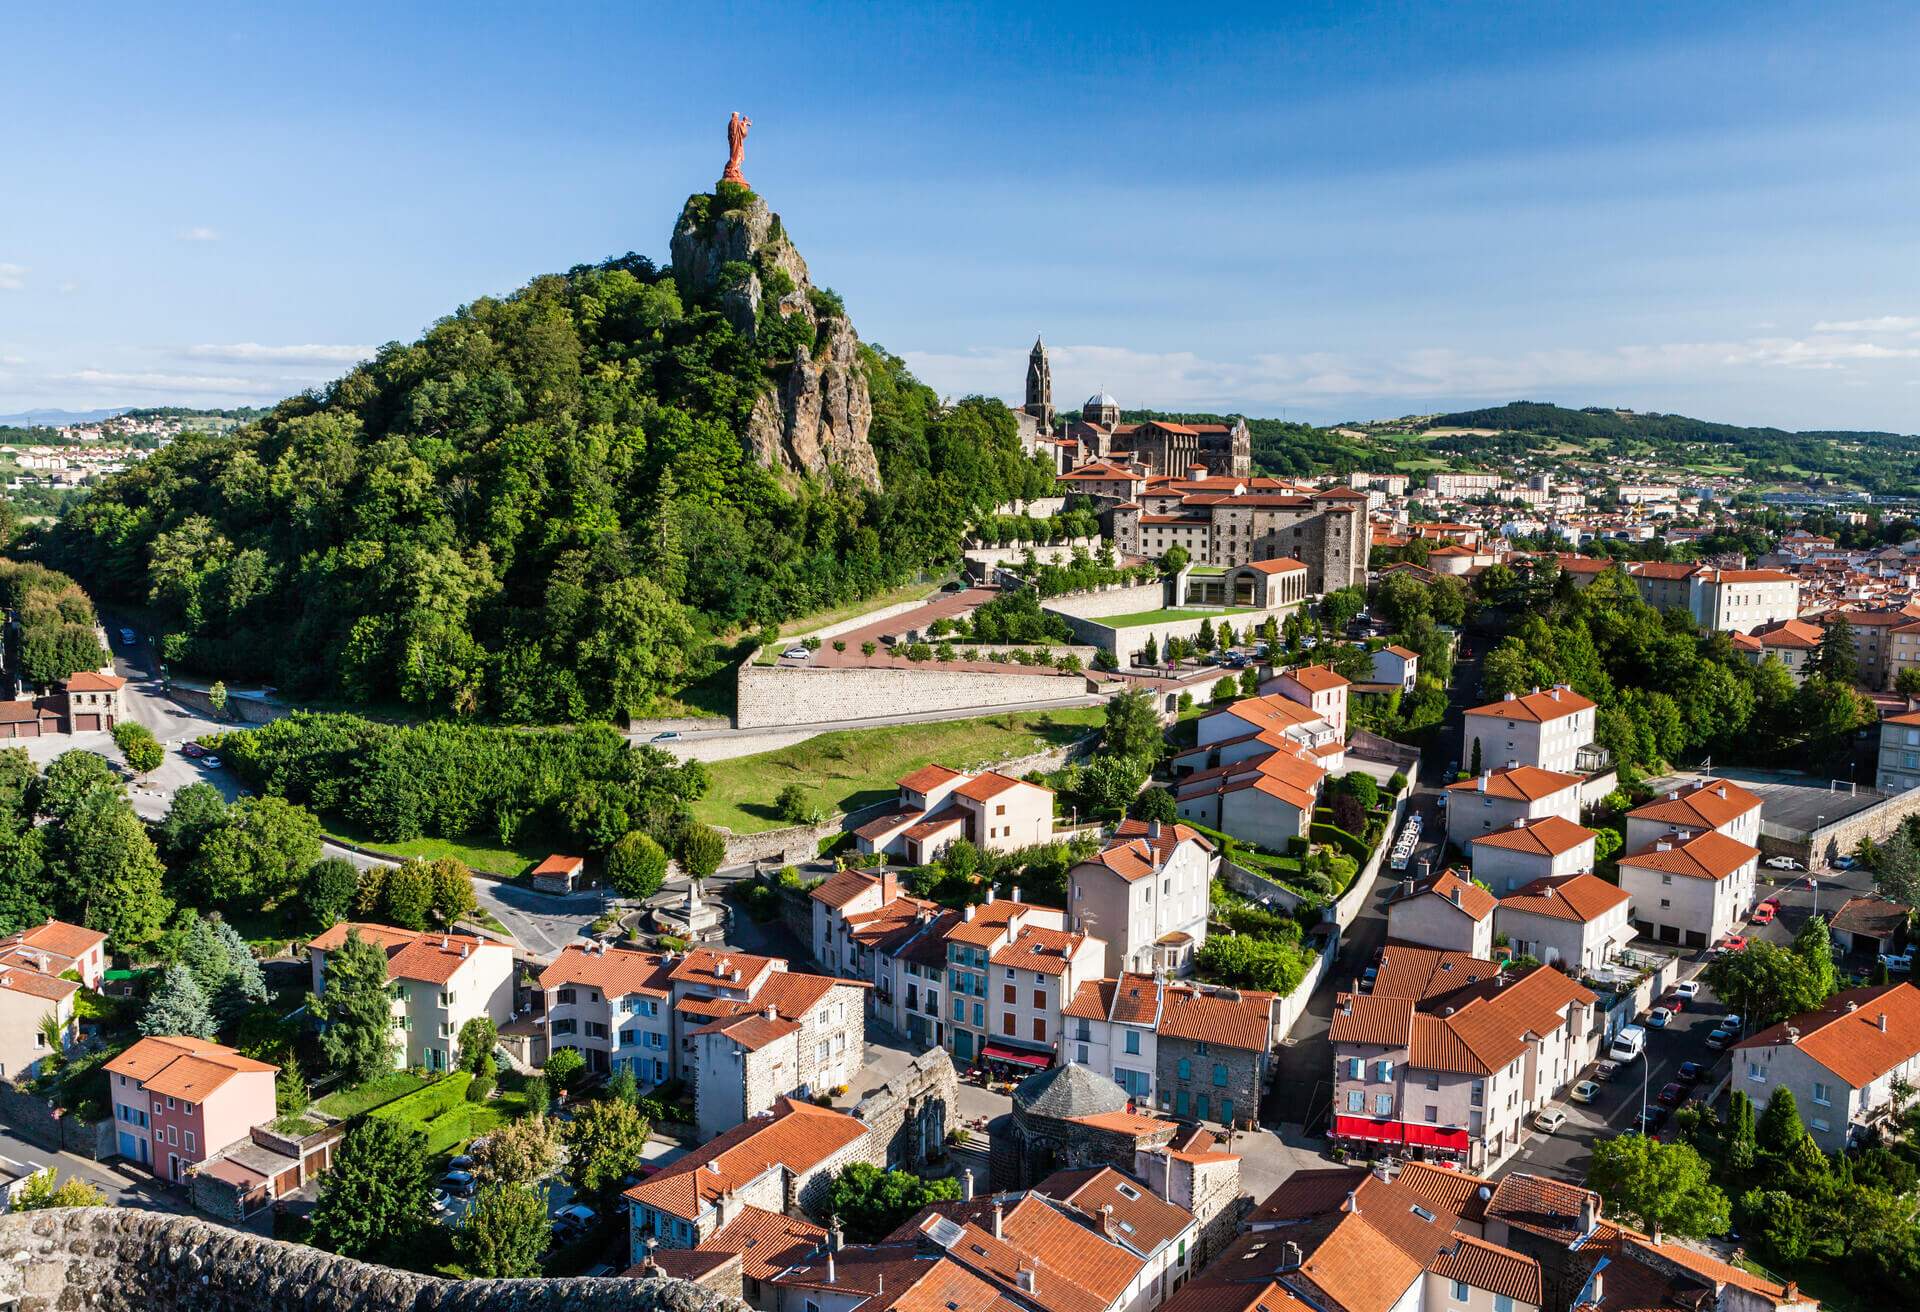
(178, 1101)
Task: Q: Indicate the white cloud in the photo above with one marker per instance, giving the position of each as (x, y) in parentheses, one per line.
(1269, 383)
(199, 234)
(255, 353)
(13, 361)
(12, 277)
(1886, 323)
(168, 382)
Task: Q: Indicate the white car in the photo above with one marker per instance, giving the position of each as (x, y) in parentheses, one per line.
(1900, 965)
(1782, 863)
(1688, 989)
(1550, 1120)
(1585, 1091)
(796, 653)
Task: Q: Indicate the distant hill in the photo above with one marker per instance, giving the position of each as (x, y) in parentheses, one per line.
(57, 418)
(1600, 422)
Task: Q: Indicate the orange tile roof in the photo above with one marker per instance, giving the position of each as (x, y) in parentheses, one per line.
(1846, 1037)
(1278, 565)
(1372, 1020)
(1519, 783)
(561, 865)
(1549, 835)
(1710, 804)
(617, 972)
(1537, 707)
(1408, 970)
(989, 784)
(183, 1067)
(1048, 951)
(1128, 1000)
(1465, 896)
(1316, 678)
(841, 887)
(1144, 1221)
(928, 777)
(1269, 712)
(88, 681)
(30, 981)
(431, 958)
(1359, 1268)
(1490, 1267)
(1236, 1018)
(753, 1031)
(388, 937)
(796, 1135)
(58, 937)
(704, 966)
(767, 1242)
(1582, 897)
(1541, 1205)
(1709, 855)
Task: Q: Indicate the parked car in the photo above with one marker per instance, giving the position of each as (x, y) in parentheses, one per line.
(795, 654)
(1550, 1120)
(1651, 1119)
(1733, 943)
(211, 761)
(1762, 914)
(128, 637)
(1671, 1093)
(1898, 965)
(1605, 1071)
(1585, 1091)
(460, 1184)
(1733, 1020)
(1720, 1039)
(1629, 1044)
(1657, 1018)
(441, 1201)
(572, 1220)
(192, 751)
(1782, 863)
(1674, 1002)
(1690, 1072)
(1843, 863)
(665, 736)
(1688, 989)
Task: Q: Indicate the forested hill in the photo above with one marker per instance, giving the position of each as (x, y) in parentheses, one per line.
(540, 510)
(1877, 462)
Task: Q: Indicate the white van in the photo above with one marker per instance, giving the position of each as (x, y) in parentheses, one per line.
(1630, 1044)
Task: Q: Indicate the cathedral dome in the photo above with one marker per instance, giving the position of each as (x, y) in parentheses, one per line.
(1100, 402)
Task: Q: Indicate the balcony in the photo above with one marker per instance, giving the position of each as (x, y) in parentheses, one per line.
(1592, 759)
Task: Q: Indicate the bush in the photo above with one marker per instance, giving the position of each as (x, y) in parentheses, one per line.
(1397, 784)
(795, 807)
(1360, 786)
(637, 866)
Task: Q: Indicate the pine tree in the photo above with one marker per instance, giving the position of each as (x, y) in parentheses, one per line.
(1150, 654)
(1740, 1137)
(1781, 1129)
(1814, 946)
(245, 986)
(356, 1010)
(177, 1005)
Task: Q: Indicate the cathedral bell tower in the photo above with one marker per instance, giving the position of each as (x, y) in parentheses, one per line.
(1039, 387)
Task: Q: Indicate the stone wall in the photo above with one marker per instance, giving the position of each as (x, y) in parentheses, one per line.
(1245, 1074)
(1843, 836)
(770, 696)
(863, 619)
(982, 561)
(34, 1118)
(121, 1260)
(1108, 601)
(907, 1118)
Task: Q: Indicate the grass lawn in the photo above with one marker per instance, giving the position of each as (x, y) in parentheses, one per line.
(381, 1089)
(1169, 616)
(507, 861)
(854, 767)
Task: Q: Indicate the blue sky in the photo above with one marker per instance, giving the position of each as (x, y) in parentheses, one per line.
(1327, 211)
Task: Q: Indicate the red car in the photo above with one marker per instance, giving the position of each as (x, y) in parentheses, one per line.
(1763, 914)
(1733, 943)
(1674, 1002)
(1670, 1094)
(193, 751)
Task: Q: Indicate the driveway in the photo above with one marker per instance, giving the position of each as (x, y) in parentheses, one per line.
(123, 1188)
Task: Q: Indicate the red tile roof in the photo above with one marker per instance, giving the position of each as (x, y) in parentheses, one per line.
(182, 1067)
(617, 971)
(1859, 1035)
(1235, 1018)
(88, 681)
(1583, 897)
(928, 777)
(1709, 855)
(1316, 678)
(1549, 835)
(768, 1242)
(561, 865)
(1519, 783)
(1709, 804)
(795, 1135)
(1463, 895)
(1048, 951)
(1537, 707)
(431, 958)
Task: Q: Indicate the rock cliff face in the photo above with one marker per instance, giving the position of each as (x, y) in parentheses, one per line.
(814, 414)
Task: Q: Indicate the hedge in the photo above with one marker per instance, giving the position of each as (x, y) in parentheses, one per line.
(1340, 838)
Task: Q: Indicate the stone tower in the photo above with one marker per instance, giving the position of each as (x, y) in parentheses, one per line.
(1039, 387)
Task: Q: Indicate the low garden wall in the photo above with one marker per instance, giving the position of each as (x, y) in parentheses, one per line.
(36, 1119)
(1112, 600)
(771, 696)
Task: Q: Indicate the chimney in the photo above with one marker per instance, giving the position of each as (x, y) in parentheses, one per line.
(1028, 1282)
(771, 1013)
(1600, 1288)
(463, 951)
(830, 1275)
(1663, 846)
(1290, 1260)
(990, 894)
(1016, 892)
(1153, 829)
(967, 914)
(966, 1184)
(1353, 1201)
(1456, 894)
(714, 1165)
(1406, 888)
(1589, 1214)
(1519, 824)
(996, 1218)
(1656, 1234)
(1480, 784)
(1883, 1022)
(836, 1239)
(879, 1282)
(1106, 1219)
(650, 1266)
(1556, 692)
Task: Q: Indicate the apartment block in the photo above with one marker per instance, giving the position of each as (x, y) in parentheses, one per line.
(1495, 799)
(1145, 895)
(614, 1005)
(1841, 1062)
(937, 807)
(440, 982)
(1550, 729)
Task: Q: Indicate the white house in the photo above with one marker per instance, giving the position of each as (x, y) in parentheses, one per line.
(1396, 665)
(1577, 922)
(1716, 804)
(1840, 1061)
(1318, 689)
(1740, 600)
(614, 1004)
(1496, 798)
(1110, 1026)
(1691, 887)
(1146, 895)
(1526, 850)
(440, 982)
(1550, 728)
(1444, 911)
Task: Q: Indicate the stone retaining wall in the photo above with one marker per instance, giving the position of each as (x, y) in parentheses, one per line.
(34, 1118)
(771, 696)
(908, 1117)
(1108, 601)
(79, 1259)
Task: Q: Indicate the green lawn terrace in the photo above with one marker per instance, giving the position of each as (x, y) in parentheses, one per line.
(1122, 621)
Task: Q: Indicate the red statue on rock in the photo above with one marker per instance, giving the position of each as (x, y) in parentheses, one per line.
(736, 147)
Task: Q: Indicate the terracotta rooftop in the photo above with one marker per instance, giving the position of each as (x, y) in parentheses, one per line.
(1549, 835)
(1537, 707)
(1519, 783)
(1048, 951)
(1709, 804)
(1316, 678)
(617, 971)
(1235, 1018)
(797, 1136)
(429, 957)
(182, 1067)
(1708, 855)
(1582, 897)
(1860, 1034)
(1463, 895)
(1408, 970)
(89, 681)
(57, 937)
(929, 777)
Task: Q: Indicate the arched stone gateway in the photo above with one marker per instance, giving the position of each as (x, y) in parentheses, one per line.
(79, 1259)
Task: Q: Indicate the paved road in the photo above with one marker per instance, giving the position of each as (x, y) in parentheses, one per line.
(122, 1188)
(700, 744)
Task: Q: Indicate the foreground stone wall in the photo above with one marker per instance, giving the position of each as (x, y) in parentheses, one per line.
(119, 1260)
(770, 696)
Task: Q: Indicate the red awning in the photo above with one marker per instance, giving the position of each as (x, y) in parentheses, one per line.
(1400, 1132)
(994, 1052)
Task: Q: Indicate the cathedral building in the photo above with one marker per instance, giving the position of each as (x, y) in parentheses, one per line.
(1157, 447)
(1225, 522)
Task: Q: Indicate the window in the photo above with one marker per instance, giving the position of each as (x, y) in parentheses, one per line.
(1356, 1069)
(1006, 1024)
(1383, 1104)
(1433, 1080)
(189, 1144)
(1756, 1073)
(1822, 1094)
(959, 1009)
(1040, 1029)
(1219, 1075)
(1385, 1069)
(1039, 1000)
(1186, 1069)
(566, 996)
(173, 1135)
(1133, 1042)
(1460, 1291)
(1081, 1054)
(1433, 1114)
(1818, 1122)
(1503, 1303)
(980, 1015)
(1007, 993)
(1356, 1101)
